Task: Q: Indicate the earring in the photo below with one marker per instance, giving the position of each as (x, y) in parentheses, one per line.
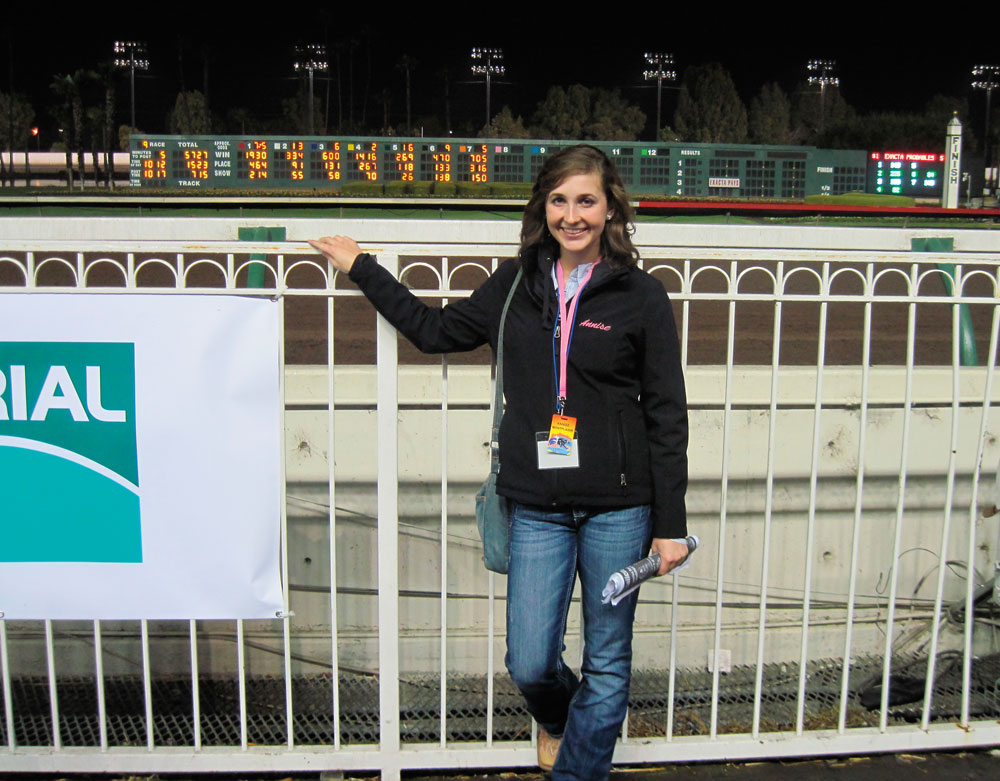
(607, 217)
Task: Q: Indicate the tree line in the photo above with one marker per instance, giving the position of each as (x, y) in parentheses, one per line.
(707, 109)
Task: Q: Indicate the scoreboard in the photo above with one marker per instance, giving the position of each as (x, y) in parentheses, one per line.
(239, 162)
(918, 174)
(677, 169)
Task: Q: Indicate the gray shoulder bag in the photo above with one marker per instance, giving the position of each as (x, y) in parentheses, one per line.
(491, 509)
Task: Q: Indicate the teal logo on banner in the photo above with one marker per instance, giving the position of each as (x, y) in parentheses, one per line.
(69, 473)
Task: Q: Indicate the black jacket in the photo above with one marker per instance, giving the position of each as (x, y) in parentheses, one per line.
(624, 382)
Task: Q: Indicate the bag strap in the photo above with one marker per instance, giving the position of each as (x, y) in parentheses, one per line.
(498, 391)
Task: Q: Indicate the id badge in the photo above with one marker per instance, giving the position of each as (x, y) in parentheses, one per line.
(566, 455)
(562, 432)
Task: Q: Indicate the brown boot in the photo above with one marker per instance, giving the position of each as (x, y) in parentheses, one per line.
(548, 749)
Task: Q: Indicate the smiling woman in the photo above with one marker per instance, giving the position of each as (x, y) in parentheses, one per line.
(587, 175)
(593, 441)
(575, 213)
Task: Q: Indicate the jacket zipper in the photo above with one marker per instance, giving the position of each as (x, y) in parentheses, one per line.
(622, 451)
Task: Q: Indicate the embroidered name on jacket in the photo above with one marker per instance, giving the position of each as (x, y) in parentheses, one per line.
(598, 326)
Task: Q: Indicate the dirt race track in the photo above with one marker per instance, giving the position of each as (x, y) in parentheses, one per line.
(707, 331)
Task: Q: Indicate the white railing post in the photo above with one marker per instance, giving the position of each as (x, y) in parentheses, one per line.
(50, 666)
(859, 486)
(720, 573)
(970, 585)
(443, 607)
(286, 619)
(949, 496)
(813, 478)
(8, 696)
(897, 535)
(388, 539)
(772, 446)
(331, 445)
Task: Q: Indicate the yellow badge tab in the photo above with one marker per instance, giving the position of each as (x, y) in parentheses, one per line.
(561, 434)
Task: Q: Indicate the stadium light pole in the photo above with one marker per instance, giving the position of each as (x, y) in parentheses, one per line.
(311, 57)
(987, 77)
(131, 55)
(822, 74)
(488, 63)
(660, 69)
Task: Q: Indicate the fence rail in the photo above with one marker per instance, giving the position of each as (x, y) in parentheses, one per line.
(843, 444)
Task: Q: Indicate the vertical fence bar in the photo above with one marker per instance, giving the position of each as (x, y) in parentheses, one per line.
(956, 349)
(102, 713)
(970, 585)
(490, 661)
(852, 585)
(387, 406)
(286, 618)
(50, 662)
(672, 676)
(331, 449)
(195, 688)
(723, 500)
(675, 589)
(911, 319)
(147, 684)
(765, 563)
(443, 651)
(491, 600)
(8, 696)
(685, 313)
(241, 671)
(811, 523)
(491, 609)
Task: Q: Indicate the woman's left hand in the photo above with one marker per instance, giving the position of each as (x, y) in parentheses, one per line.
(671, 553)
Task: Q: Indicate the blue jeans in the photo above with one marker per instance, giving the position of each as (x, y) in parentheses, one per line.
(548, 547)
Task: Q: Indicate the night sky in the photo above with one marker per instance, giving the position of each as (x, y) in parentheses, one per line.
(250, 58)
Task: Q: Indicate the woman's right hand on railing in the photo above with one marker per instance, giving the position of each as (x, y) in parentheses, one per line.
(341, 251)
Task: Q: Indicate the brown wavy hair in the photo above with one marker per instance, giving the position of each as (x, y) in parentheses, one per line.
(616, 240)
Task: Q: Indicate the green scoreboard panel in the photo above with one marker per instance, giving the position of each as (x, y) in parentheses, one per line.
(323, 163)
(918, 174)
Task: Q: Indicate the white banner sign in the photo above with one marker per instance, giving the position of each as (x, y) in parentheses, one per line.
(139, 457)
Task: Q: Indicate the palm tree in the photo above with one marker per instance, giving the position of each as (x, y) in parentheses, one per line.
(96, 135)
(69, 89)
(67, 93)
(109, 127)
(103, 124)
(16, 115)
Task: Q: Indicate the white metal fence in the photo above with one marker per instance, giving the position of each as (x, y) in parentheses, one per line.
(842, 457)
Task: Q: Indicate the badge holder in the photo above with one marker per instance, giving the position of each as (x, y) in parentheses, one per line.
(557, 451)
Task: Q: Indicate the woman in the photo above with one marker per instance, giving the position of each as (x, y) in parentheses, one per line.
(592, 444)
